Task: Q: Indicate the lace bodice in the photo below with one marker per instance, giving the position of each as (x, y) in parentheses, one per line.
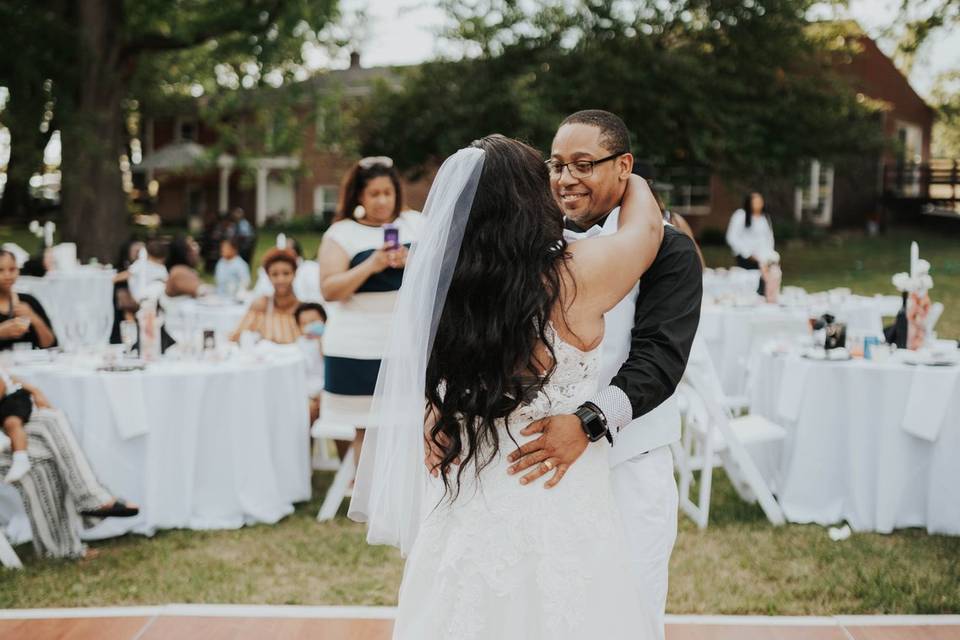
(574, 380)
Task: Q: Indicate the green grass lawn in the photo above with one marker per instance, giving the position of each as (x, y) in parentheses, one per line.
(739, 565)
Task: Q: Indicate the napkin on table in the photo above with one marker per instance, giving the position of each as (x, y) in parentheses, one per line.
(127, 403)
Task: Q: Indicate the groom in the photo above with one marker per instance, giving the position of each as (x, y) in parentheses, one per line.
(645, 349)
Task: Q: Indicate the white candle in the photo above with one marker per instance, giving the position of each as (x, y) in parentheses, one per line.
(48, 234)
(914, 256)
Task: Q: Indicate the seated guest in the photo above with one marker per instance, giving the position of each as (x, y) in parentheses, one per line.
(273, 316)
(22, 318)
(60, 491)
(232, 273)
(243, 232)
(306, 285)
(182, 260)
(16, 404)
(311, 318)
(148, 279)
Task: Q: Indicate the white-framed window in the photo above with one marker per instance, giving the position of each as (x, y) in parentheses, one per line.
(910, 141)
(909, 158)
(325, 201)
(813, 198)
(685, 190)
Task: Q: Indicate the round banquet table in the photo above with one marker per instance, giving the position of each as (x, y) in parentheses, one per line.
(871, 443)
(734, 332)
(79, 302)
(198, 445)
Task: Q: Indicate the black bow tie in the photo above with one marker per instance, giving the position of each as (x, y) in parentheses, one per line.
(570, 225)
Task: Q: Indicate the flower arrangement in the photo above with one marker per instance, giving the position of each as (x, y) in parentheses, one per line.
(44, 231)
(919, 280)
(915, 287)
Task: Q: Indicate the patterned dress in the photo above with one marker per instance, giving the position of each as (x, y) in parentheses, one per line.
(358, 327)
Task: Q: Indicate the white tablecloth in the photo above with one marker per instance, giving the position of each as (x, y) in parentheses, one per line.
(851, 451)
(222, 445)
(734, 334)
(79, 303)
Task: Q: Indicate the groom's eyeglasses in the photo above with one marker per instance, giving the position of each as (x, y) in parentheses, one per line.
(578, 168)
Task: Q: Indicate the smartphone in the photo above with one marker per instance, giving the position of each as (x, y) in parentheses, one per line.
(391, 236)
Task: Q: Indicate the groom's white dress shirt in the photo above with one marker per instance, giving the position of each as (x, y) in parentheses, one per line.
(641, 462)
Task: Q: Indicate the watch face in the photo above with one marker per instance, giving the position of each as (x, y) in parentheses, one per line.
(592, 424)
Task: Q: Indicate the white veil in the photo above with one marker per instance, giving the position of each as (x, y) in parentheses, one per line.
(391, 476)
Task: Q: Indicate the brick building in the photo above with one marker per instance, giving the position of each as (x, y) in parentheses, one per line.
(828, 196)
(187, 185)
(280, 188)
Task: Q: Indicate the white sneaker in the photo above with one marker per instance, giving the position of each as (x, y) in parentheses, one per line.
(19, 468)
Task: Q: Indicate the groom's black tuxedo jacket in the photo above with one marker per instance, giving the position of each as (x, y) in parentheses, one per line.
(664, 325)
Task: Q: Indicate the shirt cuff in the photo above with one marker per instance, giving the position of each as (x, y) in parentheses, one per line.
(616, 407)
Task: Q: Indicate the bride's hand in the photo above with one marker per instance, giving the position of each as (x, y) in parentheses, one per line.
(562, 442)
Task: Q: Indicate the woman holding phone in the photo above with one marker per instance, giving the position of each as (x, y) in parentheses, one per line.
(362, 257)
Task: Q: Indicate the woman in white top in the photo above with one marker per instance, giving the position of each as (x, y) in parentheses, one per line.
(359, 278)
(750, 236)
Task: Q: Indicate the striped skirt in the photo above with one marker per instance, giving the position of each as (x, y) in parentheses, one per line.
(59, 485)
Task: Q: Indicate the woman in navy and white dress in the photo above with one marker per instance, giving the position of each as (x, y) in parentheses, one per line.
(360, 276)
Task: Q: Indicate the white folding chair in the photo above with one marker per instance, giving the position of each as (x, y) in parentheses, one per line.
(324, 433)
(8, 557)
(712, 438)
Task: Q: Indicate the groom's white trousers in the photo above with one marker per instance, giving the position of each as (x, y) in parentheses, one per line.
(646, 493)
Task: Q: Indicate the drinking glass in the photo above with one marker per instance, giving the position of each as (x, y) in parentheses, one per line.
(128, 334)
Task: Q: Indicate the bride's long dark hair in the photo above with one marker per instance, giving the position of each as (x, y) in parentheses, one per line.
(504, 287)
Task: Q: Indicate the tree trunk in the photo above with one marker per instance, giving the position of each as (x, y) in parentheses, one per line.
(94, 203)
(24, 112)
(16, 205)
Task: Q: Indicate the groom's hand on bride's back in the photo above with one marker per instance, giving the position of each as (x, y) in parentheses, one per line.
(562, 440)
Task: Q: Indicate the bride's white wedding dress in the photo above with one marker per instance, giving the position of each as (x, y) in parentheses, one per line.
(506, 561)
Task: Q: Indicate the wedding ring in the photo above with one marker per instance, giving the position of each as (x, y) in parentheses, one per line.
(548, 465)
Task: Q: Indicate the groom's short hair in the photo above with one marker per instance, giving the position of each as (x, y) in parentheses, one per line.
(614, 134)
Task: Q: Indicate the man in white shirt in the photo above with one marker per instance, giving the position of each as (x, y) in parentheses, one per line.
(646, 344)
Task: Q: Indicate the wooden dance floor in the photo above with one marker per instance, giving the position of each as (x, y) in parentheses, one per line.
(212, 622)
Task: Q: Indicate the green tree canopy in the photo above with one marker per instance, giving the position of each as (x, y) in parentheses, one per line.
(745, 86)
(97, 57)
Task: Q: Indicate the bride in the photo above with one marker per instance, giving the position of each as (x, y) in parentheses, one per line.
(498, 324)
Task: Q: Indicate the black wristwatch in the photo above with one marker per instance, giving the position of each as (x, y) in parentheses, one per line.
(593, 422)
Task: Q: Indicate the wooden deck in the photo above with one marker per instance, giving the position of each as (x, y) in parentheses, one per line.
(185, 622)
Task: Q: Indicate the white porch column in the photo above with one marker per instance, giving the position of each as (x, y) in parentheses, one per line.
(224, 189)
(261, 212)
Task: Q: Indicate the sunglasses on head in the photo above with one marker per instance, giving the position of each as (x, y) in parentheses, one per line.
(373, 161)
